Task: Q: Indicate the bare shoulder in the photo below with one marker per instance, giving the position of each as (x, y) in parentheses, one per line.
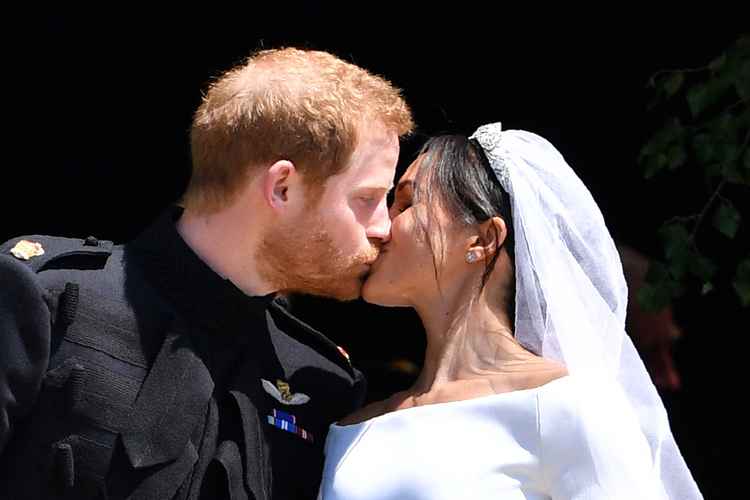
(541, 373)
(552, 370)
(548, 371)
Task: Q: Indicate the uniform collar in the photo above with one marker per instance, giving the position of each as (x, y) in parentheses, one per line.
(188, 283)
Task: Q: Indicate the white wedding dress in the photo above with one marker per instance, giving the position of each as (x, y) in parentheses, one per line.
(529, 444)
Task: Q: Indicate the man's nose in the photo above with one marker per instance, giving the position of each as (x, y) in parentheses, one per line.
(380, 225)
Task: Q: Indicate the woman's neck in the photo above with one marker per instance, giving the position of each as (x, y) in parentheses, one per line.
(471, 340)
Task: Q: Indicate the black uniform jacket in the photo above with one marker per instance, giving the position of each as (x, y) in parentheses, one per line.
(135, 371)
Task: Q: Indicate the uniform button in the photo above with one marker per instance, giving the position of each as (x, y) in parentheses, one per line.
(91, 242)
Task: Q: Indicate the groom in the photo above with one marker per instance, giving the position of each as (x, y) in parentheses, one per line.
(167, 367)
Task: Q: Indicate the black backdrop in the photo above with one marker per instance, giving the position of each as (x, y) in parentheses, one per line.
(98, 105)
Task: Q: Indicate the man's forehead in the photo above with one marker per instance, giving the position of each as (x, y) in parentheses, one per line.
(376, 161)
(377, 143)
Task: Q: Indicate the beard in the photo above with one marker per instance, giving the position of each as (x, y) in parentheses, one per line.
(301, 257)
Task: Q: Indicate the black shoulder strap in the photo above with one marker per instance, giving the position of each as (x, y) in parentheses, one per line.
(52, 252)
(294, 325)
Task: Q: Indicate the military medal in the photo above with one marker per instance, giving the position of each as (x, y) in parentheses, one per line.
(288, 422)
(282, 393)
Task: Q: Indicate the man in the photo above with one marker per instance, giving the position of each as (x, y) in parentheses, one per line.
(168, 367)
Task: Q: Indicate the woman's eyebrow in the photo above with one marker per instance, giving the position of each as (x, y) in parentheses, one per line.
(404, 183)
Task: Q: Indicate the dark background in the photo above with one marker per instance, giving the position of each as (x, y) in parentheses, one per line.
(98, 107)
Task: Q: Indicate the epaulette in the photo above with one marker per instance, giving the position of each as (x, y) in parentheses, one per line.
(42, 252)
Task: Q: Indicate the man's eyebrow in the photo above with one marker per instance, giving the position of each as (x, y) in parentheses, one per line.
(368, 187)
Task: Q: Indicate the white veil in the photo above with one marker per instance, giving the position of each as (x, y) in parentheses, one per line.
(571, 295)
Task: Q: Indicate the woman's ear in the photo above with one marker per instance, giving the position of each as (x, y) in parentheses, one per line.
(490, 237)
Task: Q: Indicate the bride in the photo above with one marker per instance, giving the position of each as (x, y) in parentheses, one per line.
(530, 388)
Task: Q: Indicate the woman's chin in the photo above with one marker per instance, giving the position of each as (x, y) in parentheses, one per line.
(370, 292)
(376, 292)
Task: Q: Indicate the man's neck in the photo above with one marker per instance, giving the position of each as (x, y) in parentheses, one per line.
(216, 240)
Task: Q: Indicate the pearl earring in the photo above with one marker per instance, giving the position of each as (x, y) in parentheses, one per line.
(471, 257)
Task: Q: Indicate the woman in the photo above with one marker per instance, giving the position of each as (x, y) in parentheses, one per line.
(530, 387)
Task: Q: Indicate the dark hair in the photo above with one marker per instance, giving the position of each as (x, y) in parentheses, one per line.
(455, 174)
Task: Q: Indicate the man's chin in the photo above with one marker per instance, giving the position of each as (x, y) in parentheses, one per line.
(341, 286)
(353, 289)
(347, 295)
(342, 292)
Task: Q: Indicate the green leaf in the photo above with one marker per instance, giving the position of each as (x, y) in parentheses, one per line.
(702, 267)
(728, 155)
(731, 172)
(743, 118)
(665, 149)
(673, 84)
(713, 170)
(646, 298)
(717, 63)
(704, 148)
(657, 272)
(727, 219)
(672, 131)
(742, 282)
(675, 238)
(679, 262)
(707, 288)
(676, 156)
(698, 99)
(702, 97)
(742, 82)
(725, 127)
(654, 297)
(727, 152)
(654, 165)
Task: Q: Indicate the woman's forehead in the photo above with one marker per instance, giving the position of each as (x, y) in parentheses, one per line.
(410, 174)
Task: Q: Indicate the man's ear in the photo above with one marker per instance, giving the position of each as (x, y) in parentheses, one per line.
(278, 179)
(490, 237)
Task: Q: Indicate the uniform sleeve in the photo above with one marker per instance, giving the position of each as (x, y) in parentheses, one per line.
(592, 447)
(360, 389)
(24, 343)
